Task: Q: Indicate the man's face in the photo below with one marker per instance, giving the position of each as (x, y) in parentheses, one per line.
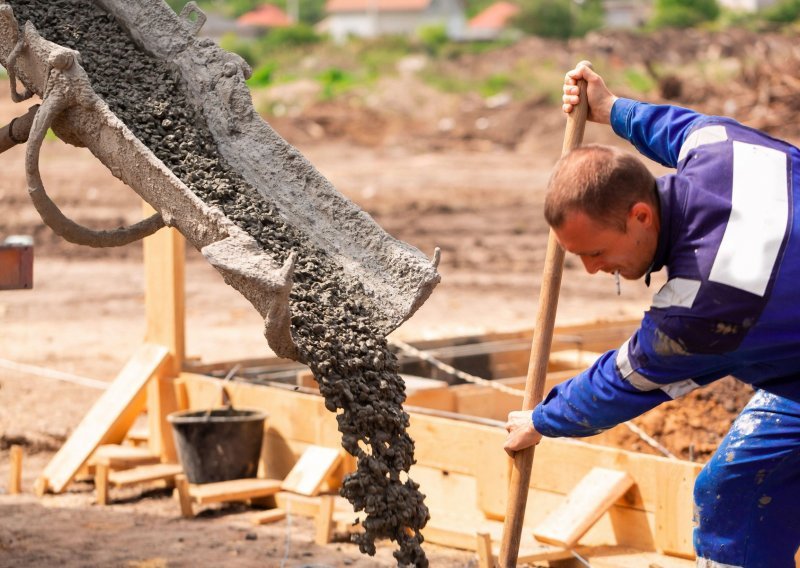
(605, 248)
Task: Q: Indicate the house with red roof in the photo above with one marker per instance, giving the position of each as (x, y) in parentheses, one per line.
(492, 21)
(373, 18)
(266, 16)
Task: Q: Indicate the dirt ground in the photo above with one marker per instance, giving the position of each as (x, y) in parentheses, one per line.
(479, 201)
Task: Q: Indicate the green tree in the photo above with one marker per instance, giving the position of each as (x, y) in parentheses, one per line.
(546, 18)
(783, 12)
(591, 15)
(433, 37)
(684, 13)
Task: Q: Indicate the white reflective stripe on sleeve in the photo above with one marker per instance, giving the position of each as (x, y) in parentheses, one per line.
(622, 361)
(679, 292)
(757, 225)
(642, 383)
(627, 373)
(701, 136)
(706, 563)
(677, 390)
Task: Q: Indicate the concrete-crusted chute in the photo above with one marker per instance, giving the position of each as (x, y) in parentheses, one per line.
(396, 277)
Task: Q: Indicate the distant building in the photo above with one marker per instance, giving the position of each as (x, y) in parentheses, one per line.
(492, 22)
(373, 18)
(746, 5)
(217, 26)
(626, 13)
(266, 17)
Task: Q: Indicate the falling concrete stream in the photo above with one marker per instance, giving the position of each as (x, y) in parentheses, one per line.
(331, 324)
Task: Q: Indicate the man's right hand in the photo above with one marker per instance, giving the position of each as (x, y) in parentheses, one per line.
(521, 433)
(600, 98)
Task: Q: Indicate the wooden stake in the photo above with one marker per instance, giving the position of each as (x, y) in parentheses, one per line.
(484, 547)
(540, 352)
(325, 520)
(164, 264)
(182, 487)
(15, 475)
(101, 483)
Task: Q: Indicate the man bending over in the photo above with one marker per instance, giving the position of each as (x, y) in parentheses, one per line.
(725, 228)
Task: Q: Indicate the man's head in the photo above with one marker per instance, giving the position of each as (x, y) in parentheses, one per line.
(602, 204)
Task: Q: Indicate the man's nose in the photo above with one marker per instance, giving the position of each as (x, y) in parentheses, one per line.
(592, 265)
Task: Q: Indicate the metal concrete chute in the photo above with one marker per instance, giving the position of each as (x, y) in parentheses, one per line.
(396, 277)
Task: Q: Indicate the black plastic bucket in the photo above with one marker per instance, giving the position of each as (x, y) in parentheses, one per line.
(222, 445)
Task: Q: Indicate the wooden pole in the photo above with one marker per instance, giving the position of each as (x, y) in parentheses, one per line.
(15, 475)
(540, 352)
(164, 263)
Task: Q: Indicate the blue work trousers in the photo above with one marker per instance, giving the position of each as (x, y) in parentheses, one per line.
(747, 498)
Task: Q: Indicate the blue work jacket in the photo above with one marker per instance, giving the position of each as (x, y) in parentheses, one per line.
(730, 242)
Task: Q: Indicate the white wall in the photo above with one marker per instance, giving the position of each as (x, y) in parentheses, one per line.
(746, 5)
(366, 24)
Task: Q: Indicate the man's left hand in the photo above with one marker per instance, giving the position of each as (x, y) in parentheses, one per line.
(521, 433)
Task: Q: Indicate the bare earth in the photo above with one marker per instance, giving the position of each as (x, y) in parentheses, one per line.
(85, 316)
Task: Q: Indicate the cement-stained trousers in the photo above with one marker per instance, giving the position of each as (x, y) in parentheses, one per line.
(747, 498)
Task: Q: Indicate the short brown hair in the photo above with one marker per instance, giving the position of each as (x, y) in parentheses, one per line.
(601, 181)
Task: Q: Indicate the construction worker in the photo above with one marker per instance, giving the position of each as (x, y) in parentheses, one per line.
(726, 229)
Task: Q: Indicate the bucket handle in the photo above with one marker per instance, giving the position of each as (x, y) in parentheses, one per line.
(56, 101)
(226, 397)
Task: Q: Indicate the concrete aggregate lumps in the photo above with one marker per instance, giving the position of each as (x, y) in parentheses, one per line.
(331, 323)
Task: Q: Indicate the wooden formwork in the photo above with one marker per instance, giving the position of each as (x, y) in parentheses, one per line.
(463, 471)
(458, 429)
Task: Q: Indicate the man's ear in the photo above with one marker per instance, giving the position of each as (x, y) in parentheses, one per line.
(642, 213)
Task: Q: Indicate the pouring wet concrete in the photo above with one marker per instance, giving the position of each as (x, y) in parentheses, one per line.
(331, 316)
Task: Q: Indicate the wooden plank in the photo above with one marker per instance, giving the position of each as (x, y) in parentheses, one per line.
(415, 383)
(234, 490)
(583, 507)
(437, 399)
(267, 517)
(109, 418)
(101, 484)
(675, 511)
(138, 435)
(311, 470)
(118, 456)
(626, 557)
(144, 474)
(164, 296)
(485, 402)
(483, 543)
(324, 524)
(450, 530)
(305, 378)
(15, 470)
(185, 500)
(164, 261)
(298, 504)
(161, 401)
